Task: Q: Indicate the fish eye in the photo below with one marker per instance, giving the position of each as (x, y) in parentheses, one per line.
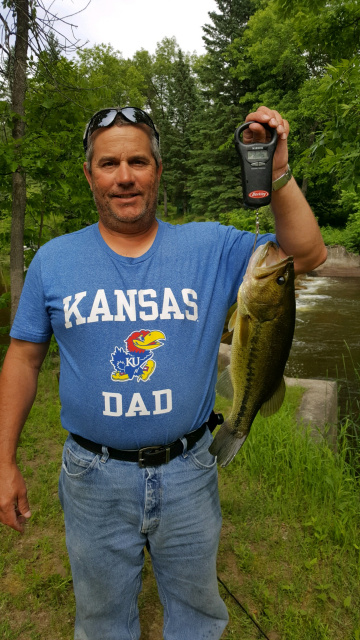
(280, 280)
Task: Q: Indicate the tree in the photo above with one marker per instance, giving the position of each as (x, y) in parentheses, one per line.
(109, 79)
(183, 103)
(159, 74)
(283, 58)
(18, 90)
(171, 96)
(31, 23)
(57, 195)
(215, 185)
(58, 198)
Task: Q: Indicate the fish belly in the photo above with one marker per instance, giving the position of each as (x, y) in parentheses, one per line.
(256, 373)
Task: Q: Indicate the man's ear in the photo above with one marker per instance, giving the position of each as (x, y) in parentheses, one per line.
(87, 174)
(159, 170)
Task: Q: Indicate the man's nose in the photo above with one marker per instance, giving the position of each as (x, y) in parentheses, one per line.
(124, 174)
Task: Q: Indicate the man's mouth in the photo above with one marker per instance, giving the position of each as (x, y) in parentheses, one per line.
(124, 196)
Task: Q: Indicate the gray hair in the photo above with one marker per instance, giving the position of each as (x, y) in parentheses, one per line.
(120, 121)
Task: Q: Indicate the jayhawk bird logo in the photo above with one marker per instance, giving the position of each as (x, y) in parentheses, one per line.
(135, 361)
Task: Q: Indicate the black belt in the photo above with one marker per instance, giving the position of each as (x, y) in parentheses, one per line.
(156, 455)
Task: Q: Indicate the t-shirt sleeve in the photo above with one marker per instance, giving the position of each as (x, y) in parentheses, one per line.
(32, 322)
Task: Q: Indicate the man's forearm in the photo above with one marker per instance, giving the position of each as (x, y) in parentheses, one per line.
(18, 384)
(297, 230)
(17, 394)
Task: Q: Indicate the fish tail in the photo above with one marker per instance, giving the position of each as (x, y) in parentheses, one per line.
(226, 444)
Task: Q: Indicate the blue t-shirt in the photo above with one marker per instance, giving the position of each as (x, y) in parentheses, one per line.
(138, 337)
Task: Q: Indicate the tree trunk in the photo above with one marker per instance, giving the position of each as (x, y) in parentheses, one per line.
(165, 201)
(305, 182)
(40, 229)
(304, 186)
(19, 179)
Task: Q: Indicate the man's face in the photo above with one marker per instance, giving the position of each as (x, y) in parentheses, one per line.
(124, 178)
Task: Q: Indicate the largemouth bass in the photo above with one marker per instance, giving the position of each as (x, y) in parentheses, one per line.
(263, 326)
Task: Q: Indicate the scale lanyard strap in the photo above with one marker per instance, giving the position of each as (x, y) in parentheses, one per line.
(257, 227)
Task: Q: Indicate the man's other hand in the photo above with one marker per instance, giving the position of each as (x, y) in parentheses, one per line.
(14, 506)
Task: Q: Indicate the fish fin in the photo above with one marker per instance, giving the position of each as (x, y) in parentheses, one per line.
(274, 403)
(224, 386)
(244, 330)
(226, 444)
(232, 321)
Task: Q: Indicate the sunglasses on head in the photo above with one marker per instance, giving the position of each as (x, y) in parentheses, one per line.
(106, 117)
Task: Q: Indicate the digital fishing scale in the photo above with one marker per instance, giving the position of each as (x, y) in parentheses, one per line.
(256, 166)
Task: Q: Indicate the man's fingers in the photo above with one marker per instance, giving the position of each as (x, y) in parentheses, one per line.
(23, 506)
(22, 511)
(14, 505)
(286, 130)
(12, 518)
(19, 518)
(271, 117)
(256, 133)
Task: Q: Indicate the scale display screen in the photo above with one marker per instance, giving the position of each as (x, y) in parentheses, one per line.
(259, 154)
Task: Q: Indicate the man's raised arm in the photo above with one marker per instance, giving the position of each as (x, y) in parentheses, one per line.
(297, 231)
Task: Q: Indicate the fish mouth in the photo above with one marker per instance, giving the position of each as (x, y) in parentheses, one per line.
(267, 263)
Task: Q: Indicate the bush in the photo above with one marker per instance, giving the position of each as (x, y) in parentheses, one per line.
(245, 220)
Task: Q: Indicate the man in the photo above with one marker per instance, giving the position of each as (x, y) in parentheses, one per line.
(137, 307)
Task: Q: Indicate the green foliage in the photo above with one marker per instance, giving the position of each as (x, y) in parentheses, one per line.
(215, 182)
(349, 235)
(337, 147)
(333, 236)
(268, 56)
(173, 96)
(257, 52)
(4, 300)
(61, 96)
(108, 80)
(303, 478)
(309, 71)
(245, 219)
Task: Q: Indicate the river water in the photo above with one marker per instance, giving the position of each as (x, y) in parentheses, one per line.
(327, 337)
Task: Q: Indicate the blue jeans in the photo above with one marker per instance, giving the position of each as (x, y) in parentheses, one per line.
(112, 509)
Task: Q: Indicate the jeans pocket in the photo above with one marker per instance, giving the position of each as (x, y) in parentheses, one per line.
(200, 454)
(76, 461)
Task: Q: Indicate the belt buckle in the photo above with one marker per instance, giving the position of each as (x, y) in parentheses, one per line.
(142, 461)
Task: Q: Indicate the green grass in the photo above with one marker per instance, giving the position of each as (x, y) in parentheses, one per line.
(290, 545)
(289, 549)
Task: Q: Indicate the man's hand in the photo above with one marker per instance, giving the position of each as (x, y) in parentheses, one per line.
(257, 133)
(14, 506)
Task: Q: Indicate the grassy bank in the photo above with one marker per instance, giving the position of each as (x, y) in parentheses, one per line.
(289, 550)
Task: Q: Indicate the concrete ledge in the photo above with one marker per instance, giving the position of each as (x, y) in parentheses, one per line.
(319, 405)
(318, 408)
(339, 264)
(224, 356)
